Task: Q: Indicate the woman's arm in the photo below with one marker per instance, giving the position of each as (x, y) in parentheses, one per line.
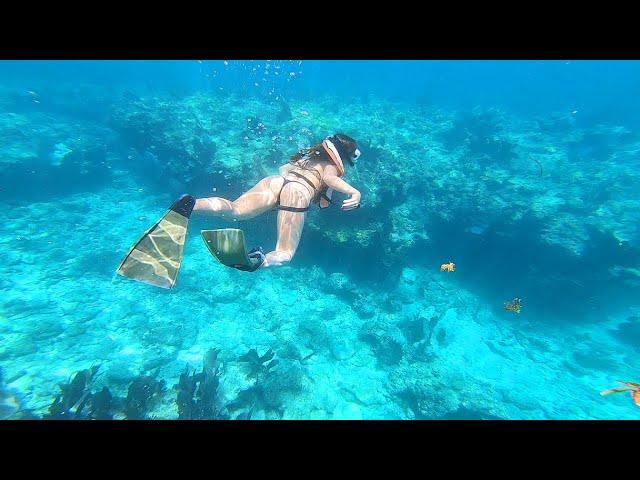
(333, 181)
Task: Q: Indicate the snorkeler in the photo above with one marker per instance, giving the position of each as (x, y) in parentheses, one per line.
(311, 176)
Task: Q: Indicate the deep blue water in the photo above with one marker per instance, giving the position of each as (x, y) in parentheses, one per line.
(594, 87)
(522, 173)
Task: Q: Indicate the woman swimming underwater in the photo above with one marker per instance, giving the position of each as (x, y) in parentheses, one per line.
(310, 177)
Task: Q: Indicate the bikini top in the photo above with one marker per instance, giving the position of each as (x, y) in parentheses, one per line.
(322, 196)
(304, 180)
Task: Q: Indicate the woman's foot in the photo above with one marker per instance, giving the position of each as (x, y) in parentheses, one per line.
(276, 258)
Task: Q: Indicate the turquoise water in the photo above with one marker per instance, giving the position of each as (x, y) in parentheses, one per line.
(524, 174)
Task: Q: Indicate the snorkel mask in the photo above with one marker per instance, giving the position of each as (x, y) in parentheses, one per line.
(342, 143)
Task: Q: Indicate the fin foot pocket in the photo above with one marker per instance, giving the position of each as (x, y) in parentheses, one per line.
(228, 246)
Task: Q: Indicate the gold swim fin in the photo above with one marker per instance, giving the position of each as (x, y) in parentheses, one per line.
(228, 246)
(155, 259)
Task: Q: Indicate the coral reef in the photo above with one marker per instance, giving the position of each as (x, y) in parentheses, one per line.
(43, 150)
(142, 392)
(385, 339)
(9, 402)
(74, 395)
(364, 323)
(271, 385)
(197, 393)
(258, 364)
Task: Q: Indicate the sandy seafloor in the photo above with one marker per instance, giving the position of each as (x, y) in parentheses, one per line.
(63, 309)
(86, 316)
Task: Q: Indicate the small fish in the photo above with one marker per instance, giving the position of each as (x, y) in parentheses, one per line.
(514, 306)
(448, 267)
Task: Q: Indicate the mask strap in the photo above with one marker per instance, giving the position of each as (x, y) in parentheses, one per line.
(334, 155)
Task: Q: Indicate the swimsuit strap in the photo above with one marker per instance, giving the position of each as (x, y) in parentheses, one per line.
(315, 193)
(309, 182)
(324, 196)
(291, 209)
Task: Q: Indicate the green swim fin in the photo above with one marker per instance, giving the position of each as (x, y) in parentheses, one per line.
(228, 246)
(155, 259)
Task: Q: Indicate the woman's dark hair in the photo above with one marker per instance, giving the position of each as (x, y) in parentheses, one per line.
(317, 152)
(345, 145)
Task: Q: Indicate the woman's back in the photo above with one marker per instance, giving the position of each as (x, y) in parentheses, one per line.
(310, 173)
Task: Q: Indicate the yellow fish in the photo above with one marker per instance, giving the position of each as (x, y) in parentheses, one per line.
(448, 267)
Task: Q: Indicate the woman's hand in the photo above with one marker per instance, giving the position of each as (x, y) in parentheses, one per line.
(332, 180)
(352, 202)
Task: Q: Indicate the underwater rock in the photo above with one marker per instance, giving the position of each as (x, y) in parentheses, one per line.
(348, 411)
(284, 114)
(629, 332)
(420, 389)
(286, 379)
(595, 358)
(119, 372)
(339, 282)
(413, 329)
(409, 287)
(184, 148)
(341, 286)
(439, 326)
(167, 334)
(158, 356)
(556, 123)
(481, 131)
(40, 155)
(364, 307)
(385, 340)
(341, 348)
(464, 413)
(314, 331)
(60, 152)
(290, 351)
(427, 403)
(430, 320)
(271, 384)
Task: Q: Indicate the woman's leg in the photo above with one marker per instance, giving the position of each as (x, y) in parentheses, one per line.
(259, 199)
(290, 225)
